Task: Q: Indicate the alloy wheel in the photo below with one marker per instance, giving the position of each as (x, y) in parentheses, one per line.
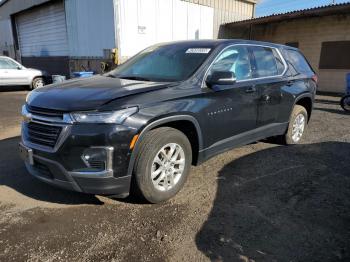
(298, 127)
(168, 166)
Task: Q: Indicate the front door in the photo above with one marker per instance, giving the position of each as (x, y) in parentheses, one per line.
(232, 109)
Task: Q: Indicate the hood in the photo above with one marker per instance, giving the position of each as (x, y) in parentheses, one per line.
(88, 93)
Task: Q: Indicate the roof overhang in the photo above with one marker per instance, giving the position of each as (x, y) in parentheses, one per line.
(334, 9)
(3, 2)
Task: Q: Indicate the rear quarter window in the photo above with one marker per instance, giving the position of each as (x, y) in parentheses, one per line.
(298, 62)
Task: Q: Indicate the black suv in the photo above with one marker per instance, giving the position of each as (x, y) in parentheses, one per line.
(142, 125)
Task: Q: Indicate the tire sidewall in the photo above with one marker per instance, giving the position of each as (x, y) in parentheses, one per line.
(296, 111)
(143, 174)
(342, 103)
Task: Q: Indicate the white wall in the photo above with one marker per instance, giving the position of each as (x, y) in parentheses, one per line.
(90, 27)
(146, 22)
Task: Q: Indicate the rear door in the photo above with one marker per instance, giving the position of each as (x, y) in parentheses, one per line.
(268, 70)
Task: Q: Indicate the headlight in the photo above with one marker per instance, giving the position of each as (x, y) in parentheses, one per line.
(28, 96)
(111, 117)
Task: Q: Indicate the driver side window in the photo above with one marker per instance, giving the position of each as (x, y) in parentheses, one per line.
(7, 64)
(236, 60)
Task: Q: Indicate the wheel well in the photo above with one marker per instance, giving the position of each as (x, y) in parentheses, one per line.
(189, 129)
(306, 102)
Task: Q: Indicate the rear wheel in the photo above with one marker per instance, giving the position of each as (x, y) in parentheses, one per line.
(162, 164)
(297, 126)
(345, 103)
(37, 83)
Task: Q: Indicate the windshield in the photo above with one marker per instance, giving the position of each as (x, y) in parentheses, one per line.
(163, 63)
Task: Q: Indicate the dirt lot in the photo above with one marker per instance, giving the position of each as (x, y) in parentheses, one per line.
(261, 202)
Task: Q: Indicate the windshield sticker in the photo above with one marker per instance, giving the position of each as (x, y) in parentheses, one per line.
(198, 51)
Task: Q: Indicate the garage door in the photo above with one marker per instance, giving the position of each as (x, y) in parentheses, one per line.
(42, 31)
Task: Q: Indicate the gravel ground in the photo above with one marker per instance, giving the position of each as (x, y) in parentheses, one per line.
(261, 202)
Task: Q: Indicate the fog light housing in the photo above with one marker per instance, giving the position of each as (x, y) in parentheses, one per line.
(98, 158)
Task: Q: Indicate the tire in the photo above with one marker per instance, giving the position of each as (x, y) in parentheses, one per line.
(37, 83)
(153, 189)
(290, 137)
(345, 103)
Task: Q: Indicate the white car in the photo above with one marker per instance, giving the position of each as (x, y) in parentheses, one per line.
(13, 73)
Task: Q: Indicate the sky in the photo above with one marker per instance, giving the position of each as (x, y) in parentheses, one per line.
(269, 7)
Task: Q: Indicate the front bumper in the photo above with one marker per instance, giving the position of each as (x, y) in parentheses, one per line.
(63, 166)
(47, 171)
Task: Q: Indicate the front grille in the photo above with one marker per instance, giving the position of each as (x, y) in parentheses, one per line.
(45, 112)
(42, 134)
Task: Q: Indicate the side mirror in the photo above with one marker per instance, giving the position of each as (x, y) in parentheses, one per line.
(19, 67)
(221, 78)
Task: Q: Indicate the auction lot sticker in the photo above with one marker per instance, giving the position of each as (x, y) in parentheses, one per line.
(198, 51)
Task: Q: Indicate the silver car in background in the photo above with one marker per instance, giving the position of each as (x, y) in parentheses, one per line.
(13, 73)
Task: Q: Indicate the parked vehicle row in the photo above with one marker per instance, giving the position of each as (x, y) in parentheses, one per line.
(140, 127)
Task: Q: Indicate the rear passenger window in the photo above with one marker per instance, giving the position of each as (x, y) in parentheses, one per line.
(267, 62)
(299, 62)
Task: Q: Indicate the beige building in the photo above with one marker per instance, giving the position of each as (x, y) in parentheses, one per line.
(322, 34)
(226, 11)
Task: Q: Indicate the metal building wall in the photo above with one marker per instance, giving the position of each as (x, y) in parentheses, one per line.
(226, 11)
(6, 38)
(90, 27)
(8, 8)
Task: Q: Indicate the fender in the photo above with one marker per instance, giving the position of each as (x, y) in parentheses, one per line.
(305, 95)
(309, 95)
(160, 122)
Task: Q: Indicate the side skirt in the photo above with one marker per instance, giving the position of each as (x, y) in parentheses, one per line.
(241, 139)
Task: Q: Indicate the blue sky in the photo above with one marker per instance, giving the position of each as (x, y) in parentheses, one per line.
(268, 7)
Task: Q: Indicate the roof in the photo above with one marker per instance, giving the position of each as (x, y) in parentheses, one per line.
(3, 2)
(213, 43)
(325, 10)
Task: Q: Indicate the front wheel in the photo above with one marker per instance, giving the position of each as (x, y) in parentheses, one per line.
(162, 164)
(297, 125)
(345, 103)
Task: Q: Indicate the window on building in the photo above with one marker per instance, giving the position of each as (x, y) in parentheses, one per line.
(335, 55)
(265, 62)
(234, 59)
(293, 44)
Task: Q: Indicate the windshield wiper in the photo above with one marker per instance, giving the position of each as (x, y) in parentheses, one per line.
(135, 78)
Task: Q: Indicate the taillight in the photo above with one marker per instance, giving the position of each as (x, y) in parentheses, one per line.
(315, 78)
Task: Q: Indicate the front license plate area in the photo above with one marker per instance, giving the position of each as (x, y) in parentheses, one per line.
(26, 154)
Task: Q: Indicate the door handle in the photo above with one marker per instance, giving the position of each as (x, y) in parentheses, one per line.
(290, 83)
(250, 89)
(265, 98)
